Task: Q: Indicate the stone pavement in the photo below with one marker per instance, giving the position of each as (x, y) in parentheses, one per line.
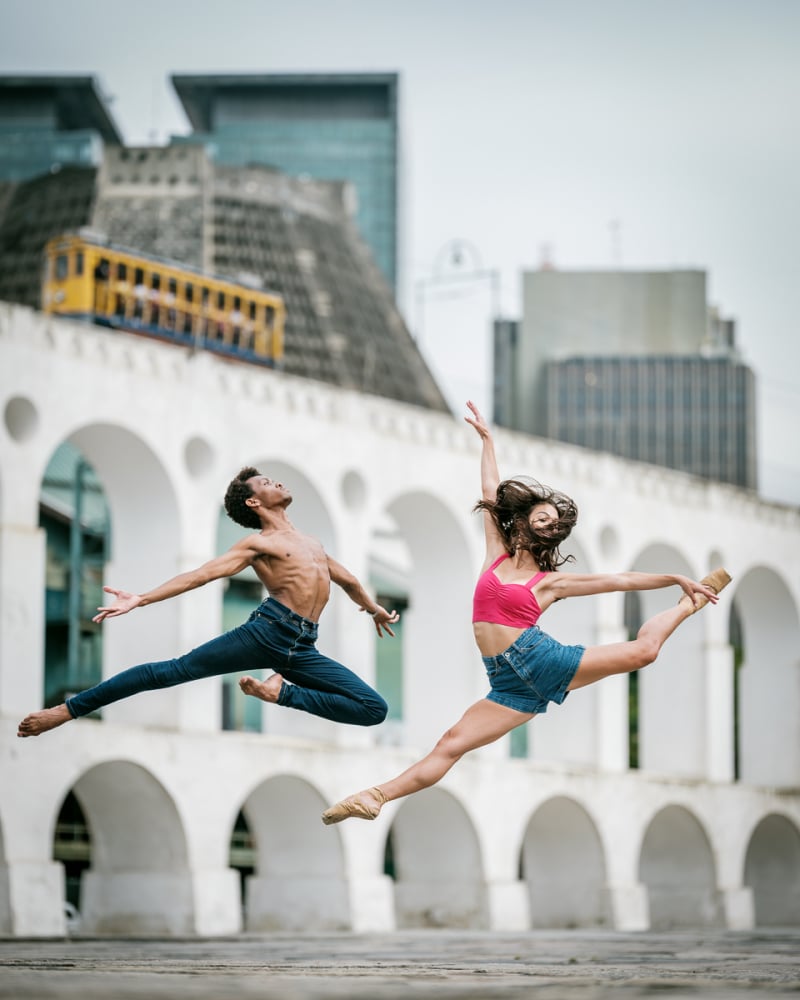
(409, 965)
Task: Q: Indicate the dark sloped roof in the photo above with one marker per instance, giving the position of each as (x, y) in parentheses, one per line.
(79, 101)
(197, 92)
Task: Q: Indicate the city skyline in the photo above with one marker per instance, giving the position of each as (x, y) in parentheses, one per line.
(631, 136)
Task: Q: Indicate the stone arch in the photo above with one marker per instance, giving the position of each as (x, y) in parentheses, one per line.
(673, 688)
(241, 594)
(434, 856)
(677, 866)
(139, 491)
(440, 662)
(139, 880)
(73, 516)
(568, 732)
(769, 681)
(299, 882)
(5, 888)
(563, 865)
(772, 870)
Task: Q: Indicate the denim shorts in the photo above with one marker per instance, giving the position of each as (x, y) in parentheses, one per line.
(533, 671)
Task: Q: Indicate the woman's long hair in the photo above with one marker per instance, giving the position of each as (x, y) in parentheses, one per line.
(510, 512)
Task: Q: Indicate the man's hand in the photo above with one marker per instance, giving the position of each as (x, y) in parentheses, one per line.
(124, 603)
(383, 619)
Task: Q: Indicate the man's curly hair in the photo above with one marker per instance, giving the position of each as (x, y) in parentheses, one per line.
(237, 492)
(510, 512)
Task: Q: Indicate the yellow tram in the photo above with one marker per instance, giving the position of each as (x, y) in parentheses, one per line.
(87, 278)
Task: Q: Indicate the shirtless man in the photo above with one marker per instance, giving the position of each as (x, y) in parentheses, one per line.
(280, 634)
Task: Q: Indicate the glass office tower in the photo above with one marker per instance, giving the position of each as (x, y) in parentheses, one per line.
(330, 127)
(49, 122)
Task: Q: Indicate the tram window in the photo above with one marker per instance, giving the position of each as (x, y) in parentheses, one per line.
(122, 272)
(102, 270)
(205, 296)
(237, 302)
(79, 263)
(252, 310)
(173, 286)
(189, 292)
(138, 276)
(220, 300)
(62, 267)
(156, 282)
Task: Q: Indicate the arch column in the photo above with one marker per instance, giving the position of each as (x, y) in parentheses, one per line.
(719, 678)
(629, 906)
(370, 892)
(22, 610)
(738, 907)
(216, 901)
(627, 898)
(36, 894)
(612, 693)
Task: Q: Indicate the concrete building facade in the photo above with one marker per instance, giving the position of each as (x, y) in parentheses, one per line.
(706, 832)
(634, 363)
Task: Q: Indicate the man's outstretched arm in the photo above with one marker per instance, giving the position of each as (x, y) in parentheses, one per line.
(229, 563)
(356, 592)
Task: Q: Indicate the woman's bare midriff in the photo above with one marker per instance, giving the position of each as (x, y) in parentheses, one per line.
(492, 639)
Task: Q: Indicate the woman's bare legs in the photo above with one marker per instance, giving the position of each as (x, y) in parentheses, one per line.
(481, 724)
(624, 657)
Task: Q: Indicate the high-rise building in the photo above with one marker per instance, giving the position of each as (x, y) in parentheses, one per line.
(632, 363)
(340, 127)
(50, 122)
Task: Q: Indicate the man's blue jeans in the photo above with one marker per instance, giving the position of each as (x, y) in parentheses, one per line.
(273, 637)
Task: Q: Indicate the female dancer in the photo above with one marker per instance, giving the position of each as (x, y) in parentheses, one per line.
(524, 524)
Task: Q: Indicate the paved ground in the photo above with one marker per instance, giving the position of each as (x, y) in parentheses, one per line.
(445, 965)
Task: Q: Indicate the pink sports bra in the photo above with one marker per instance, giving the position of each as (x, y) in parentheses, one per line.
(505, 603)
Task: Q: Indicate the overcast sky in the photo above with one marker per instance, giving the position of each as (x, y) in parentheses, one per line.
(646, 133)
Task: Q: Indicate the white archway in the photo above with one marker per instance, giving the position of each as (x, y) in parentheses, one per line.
(441, 668)
(563, 866)
(435, 859)
(299, 881)
(677, 866)
(772, 870)
(672, 691)
(769, 681)
(139, 880)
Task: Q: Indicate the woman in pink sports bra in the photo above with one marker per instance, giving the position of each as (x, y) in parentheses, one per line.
(524, 524)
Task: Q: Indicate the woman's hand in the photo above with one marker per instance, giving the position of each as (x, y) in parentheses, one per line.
(692, 587)
(477, 421)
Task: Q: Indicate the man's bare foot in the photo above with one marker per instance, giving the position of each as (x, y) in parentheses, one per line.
(267, 690)
(39, 722)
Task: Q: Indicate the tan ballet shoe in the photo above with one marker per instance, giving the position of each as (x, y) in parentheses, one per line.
(716, 581)
(355, 807)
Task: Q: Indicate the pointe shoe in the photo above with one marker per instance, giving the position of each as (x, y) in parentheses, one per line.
(354, 807)
(717, 580)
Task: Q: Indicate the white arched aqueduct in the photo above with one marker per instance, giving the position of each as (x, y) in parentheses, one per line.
(563, 833)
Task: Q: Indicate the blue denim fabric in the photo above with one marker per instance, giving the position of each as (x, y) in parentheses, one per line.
(273, 638)
(534, 670)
